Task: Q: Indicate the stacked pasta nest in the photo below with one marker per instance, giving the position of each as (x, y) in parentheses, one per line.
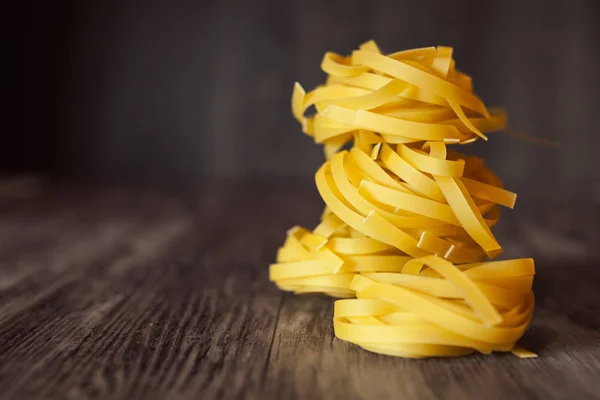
(406, 232)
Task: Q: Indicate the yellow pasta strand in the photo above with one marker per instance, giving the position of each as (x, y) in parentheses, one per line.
(406, 232)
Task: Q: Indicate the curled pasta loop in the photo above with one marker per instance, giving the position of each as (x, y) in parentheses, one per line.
(406, 97)
(434, 308)
(381, 214)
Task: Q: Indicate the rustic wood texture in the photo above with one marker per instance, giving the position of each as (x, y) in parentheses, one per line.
(185, 89)
(138, 294)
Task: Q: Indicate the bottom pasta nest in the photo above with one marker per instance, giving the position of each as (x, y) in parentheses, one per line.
(404, 306)
(438, 310)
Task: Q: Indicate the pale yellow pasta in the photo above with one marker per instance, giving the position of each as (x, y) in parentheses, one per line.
(406, 231)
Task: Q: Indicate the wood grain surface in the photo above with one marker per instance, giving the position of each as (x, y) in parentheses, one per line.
(185, 89)
(137, 294)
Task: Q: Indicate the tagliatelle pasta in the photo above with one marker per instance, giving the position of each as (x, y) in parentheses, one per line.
(406, 235)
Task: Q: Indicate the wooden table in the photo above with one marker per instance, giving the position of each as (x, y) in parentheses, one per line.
(140, 294)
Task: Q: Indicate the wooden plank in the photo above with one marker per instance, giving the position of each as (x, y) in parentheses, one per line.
(142, 316)
(141, 295)
(199, 89)
(307, 361)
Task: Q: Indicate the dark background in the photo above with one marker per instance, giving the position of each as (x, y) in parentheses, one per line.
(189, 91)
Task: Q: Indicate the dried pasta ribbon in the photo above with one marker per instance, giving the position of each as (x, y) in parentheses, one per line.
(434, 308)
(375, 213)
(327, 259)
(405, 97)
(407, 227)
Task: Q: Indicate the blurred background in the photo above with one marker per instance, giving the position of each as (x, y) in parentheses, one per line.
(190, 91)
